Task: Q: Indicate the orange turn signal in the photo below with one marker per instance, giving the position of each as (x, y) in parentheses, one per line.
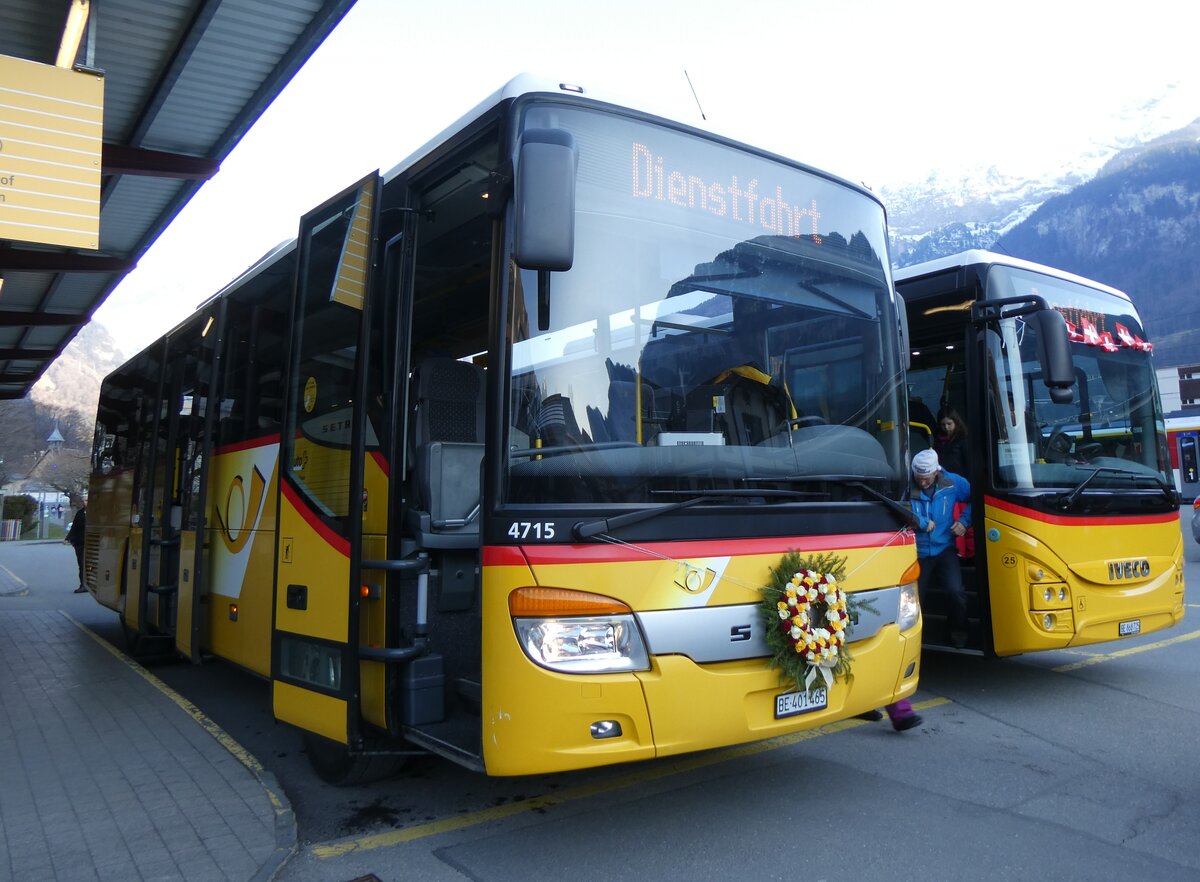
(912, 573)
(549, 602)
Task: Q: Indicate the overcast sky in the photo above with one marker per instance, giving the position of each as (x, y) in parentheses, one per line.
(880, 91)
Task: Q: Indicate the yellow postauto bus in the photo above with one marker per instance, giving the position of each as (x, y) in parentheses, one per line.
(1076, 538)
(495, 459)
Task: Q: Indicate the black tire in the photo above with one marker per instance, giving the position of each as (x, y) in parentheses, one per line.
(334, 764)
(147, 649)
(133, 639)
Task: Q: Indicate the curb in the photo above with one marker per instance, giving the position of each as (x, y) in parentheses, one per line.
(285, 827)
(286, 837)
(12, 584)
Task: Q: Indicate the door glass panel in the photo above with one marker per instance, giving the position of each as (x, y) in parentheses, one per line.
(331, 291)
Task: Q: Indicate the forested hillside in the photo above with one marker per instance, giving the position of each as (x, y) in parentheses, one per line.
(1135, 227)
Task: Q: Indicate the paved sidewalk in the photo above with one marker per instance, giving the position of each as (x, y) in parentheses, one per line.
(107, 774)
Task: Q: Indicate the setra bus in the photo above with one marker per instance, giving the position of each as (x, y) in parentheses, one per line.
(494, 459)
(1077, 536)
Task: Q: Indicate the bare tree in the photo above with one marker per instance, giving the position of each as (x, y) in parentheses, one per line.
(66, 470)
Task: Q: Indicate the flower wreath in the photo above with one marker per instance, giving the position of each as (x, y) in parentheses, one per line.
(808, 617)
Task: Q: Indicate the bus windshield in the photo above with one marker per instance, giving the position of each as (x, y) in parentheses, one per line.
(1112, 433)
(727, 324)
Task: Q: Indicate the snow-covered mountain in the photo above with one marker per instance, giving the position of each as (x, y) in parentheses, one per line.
(951, 209)
(941, 215)
(1129, 217)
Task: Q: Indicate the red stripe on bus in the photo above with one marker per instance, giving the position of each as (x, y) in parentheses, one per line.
(337, 542)
(1080, 520)
(248, 444)
(381, 461)
(502, 555)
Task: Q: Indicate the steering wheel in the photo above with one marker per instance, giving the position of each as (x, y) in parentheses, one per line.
(803, 422)
(1058, 446)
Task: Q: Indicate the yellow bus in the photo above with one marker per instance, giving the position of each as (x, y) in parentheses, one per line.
(1076, 538)
(495, 459)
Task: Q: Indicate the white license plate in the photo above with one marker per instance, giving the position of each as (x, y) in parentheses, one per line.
(792, 703)
(1128, 629)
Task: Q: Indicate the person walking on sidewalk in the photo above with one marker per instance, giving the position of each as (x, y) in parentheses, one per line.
(75, 537)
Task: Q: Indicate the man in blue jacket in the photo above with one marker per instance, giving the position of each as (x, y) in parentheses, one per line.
(933, 495)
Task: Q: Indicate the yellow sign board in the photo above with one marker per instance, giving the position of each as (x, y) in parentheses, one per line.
(51, 130)
(350, 285)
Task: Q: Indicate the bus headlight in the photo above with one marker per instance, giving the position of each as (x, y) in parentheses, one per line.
(910, 606)
(577, 632)
(584, 646)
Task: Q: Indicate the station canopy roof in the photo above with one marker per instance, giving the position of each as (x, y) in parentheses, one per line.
(183, 82)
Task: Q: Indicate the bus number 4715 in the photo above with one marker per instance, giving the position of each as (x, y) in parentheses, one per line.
(531, 530)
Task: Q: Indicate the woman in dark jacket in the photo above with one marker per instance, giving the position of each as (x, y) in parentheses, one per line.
(951, 447)
(951, 443)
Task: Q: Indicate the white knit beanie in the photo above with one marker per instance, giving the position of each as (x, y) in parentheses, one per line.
(925, 463)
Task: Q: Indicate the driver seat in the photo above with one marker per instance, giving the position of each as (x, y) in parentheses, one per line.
(447, 452)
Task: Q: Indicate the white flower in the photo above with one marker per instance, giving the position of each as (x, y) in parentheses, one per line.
(830, 578)
(795, 632)
(785, 614)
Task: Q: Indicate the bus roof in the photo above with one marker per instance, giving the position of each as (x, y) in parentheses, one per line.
(268, 260)
(521, 84)
(979, 257)
(531, 84)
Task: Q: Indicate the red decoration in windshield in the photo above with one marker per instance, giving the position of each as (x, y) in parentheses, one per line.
(1085, 332)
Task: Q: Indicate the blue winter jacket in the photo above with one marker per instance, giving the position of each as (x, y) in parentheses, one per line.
(937, 504)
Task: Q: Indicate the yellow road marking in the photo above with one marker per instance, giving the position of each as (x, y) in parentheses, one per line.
(496, 813)
(1100, 657)
(223, 738)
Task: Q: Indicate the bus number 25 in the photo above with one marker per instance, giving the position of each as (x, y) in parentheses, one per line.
(532, 530)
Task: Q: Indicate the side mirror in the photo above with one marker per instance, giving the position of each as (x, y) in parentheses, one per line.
(905, 345)
(1054, 354)
(544, 196)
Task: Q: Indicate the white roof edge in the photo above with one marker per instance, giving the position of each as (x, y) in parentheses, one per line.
(521, 84)
(529, 84)
(269, 259)
(978, 255)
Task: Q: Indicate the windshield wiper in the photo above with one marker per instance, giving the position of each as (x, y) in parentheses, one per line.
(1067, 500)
(588, 529)
(907, 518)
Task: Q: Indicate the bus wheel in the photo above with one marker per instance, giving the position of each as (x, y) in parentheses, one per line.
(334, 764)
